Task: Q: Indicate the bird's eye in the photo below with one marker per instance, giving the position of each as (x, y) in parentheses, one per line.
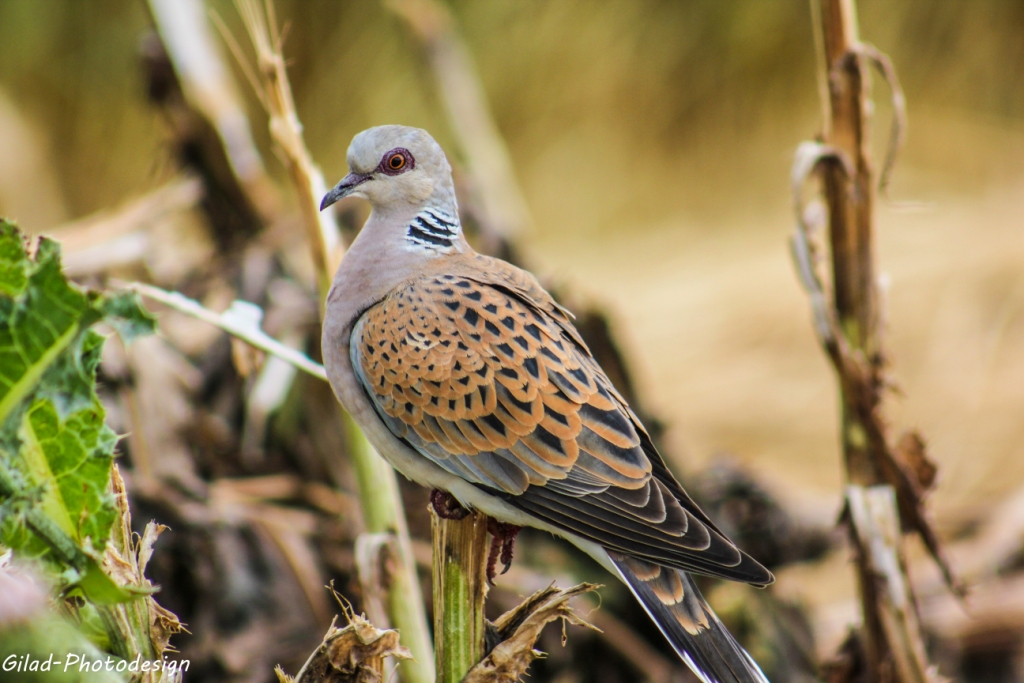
(397, 161)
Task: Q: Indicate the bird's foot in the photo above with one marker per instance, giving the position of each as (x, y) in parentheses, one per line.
(447, 506)
(503, 540)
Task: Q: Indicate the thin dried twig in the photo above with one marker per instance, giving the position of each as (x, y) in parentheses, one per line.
(898, 129)
(808, 156)
(276, 95)
(378, 488)
(242, 320)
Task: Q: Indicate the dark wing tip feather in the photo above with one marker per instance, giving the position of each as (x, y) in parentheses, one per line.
(688, 623)
(754, 573)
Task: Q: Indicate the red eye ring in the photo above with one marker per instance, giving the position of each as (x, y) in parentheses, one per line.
(396, 162)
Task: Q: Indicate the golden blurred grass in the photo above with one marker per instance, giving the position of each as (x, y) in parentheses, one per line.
(722, 342)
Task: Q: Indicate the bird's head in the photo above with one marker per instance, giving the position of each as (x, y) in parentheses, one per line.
(395, 167)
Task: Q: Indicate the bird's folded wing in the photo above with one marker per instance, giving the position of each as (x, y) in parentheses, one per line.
(490, 381)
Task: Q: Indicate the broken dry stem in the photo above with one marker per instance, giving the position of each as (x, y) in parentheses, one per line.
(354, 654)
(849, 330)
(876, 532)
(518, 631)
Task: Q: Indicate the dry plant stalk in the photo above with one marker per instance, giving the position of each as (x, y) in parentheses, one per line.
(354, 654)
(146, 626)
(888, 483)
(272, 87)
(380, 502)
(208, 86)
(378, 489)
(460, 588)
(874, 519)
(518, 630)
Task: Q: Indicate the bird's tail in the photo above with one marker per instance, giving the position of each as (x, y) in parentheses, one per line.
(672, 600)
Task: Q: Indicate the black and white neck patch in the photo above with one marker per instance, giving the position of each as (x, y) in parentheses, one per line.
(433, 229)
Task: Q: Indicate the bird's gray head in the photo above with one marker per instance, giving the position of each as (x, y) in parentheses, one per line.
(396, 168)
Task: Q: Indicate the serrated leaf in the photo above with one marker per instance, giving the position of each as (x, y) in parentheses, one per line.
(70, 459)
(56, 451)
(40, 315)
(13, 264)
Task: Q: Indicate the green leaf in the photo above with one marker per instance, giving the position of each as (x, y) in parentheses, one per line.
(56, 452)
(70, 459)
(40, 315)
(50, 637)
(125, 313)
(100, 589)
(13, 264)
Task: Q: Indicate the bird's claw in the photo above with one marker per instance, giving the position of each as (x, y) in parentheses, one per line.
(503, 539)
(503, 536)
(447, 506)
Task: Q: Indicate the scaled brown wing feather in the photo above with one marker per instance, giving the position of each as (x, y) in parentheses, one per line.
(491, 381)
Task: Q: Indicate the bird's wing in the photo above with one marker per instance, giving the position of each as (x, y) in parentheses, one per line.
(490, 380)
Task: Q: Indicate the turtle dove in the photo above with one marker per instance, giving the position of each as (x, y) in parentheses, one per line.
(470, 379)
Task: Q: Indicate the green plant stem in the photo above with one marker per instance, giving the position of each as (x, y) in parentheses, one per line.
(383, 512)
(460, 587)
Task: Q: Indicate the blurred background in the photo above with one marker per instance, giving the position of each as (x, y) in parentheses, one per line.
(652, 142)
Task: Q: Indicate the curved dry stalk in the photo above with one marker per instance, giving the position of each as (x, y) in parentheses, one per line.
(378, 488)
(241, 320)
(887, 483)
(898, 129)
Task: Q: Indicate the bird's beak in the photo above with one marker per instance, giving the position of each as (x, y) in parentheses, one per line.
(344, 188)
